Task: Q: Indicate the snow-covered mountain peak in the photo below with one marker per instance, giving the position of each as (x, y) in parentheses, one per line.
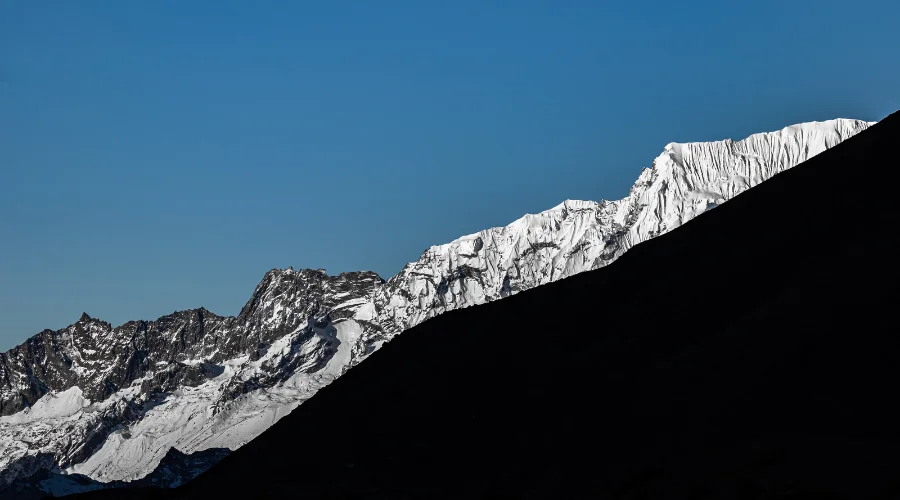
(685, 180)
(116, 400)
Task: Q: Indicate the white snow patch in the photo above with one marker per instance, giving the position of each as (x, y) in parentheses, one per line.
(348, 332)
(366, 312)
(51, 405)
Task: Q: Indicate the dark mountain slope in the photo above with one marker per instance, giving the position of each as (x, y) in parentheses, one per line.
(752, 353)
(171, 471)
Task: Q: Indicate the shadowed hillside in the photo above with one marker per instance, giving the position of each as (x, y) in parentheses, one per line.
(752, 353)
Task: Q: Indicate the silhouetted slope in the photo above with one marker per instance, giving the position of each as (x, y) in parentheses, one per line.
(752, 353)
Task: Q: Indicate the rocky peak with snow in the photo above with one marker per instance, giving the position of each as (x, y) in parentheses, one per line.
(118, 375)
(192, 380)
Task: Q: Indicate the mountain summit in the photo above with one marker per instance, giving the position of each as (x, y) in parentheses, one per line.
(109, 403)
(751, 354)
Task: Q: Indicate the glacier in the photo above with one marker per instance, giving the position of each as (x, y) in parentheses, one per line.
(110, 403)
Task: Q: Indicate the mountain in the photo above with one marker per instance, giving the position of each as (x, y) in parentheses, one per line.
(172, 471)
(575, 236)
(110, 403)
(189, 380)
(751, 354)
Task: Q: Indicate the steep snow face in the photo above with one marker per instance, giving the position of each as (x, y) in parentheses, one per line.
(51, 406)
(576, 236)
(194, 381)
(688, 179)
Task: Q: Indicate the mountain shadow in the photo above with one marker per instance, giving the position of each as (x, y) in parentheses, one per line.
(174, 469)
(752, 354)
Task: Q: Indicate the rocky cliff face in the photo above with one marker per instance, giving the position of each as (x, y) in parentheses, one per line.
(110, 403)
(68, 393)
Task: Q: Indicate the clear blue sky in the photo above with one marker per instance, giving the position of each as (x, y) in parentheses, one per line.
(158, 156)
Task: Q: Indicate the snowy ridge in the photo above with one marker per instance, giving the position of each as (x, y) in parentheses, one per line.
(110, 403)
(576, 236)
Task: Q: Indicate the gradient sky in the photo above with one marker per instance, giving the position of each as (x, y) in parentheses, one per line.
(159, 156)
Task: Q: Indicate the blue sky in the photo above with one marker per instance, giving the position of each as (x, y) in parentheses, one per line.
(158, 156)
